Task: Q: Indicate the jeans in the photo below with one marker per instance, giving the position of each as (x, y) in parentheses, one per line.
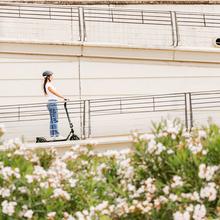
(52, 107)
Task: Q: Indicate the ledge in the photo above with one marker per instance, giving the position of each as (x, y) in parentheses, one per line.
(66, 50)
(99, 144)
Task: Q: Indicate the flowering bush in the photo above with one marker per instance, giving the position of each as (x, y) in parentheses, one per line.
(169, 174)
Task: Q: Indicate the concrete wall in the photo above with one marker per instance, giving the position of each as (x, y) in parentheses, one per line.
(114, 61)
(92, 72)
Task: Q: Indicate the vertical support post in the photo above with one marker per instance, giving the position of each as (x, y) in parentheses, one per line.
(84, 25)
(84, 120)
(89, 119)
(153, 104)
(174, 27)
(71, 23)
(204, 20)
(191, 110)
(79, 23)
(112, 16)
(19, 113)
(19, 11)
(142, 17)
(50, 13)
(186, 111)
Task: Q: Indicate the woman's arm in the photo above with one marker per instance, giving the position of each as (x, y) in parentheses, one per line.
(55, 93)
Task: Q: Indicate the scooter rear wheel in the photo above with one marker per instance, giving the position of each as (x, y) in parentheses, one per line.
(74, 137)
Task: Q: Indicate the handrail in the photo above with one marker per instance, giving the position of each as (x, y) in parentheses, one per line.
(155, 17)
(80, 17)
(185, 102)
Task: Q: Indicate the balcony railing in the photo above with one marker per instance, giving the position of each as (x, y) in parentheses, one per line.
(89, 24)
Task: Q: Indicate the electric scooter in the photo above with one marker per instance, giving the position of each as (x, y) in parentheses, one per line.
(71, 136)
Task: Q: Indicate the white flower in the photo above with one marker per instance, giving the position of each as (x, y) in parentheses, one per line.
(70, 217)
(190, 208)
(152, 146)
(209, 192)
(101, 206)
(131, 187)
(147, 137)
(199, 212)
(173, 197)
(204, 152)
(8, 172)
(29, 178)
(4, 192)
(166, 190)
(59, 193)
(207, 172)
(177, 182)
(160, 149)
(72, 182)
(79, 216)
(181, 216)
(195, 149)
(51, 215)
(28, 214)
(170, 151)
(8, 208)
(202, 134)
(44, 185)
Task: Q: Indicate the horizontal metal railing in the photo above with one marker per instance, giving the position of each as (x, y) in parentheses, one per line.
(127, 16)
(35, 111)
(84, 15)
(187, 103)
(137, 104)
(43, 12)
(198, 19)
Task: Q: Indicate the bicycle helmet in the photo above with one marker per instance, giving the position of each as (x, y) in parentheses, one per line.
(47, 73)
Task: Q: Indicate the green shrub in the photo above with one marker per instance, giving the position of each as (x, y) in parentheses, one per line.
(169, 174)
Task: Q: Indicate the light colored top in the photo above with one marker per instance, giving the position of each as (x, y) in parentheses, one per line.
(50, 95)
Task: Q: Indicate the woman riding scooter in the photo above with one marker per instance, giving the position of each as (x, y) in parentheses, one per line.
(52, 94)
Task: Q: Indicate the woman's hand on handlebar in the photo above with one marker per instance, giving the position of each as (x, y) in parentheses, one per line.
(66, 100)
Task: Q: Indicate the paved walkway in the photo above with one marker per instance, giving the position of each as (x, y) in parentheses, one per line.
(100, 144)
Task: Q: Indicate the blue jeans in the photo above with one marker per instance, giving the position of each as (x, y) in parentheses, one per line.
(52, 107)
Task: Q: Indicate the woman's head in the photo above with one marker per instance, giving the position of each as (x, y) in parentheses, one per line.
(48, 76)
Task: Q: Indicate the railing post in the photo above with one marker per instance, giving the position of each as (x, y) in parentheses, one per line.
(71, 17)
(142, 17)
(153, 104)
(86, 123)
(191, 110)
(79, 23)
(19, 113)
(50, 13)
(82, 24)
(186, 111)
(174, 27)
(204, 20)
(84, 120)
(89, 119)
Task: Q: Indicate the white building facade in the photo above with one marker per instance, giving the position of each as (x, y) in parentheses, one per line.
(103, 52)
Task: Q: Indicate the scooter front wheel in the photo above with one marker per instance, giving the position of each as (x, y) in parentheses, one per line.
(74, 137)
